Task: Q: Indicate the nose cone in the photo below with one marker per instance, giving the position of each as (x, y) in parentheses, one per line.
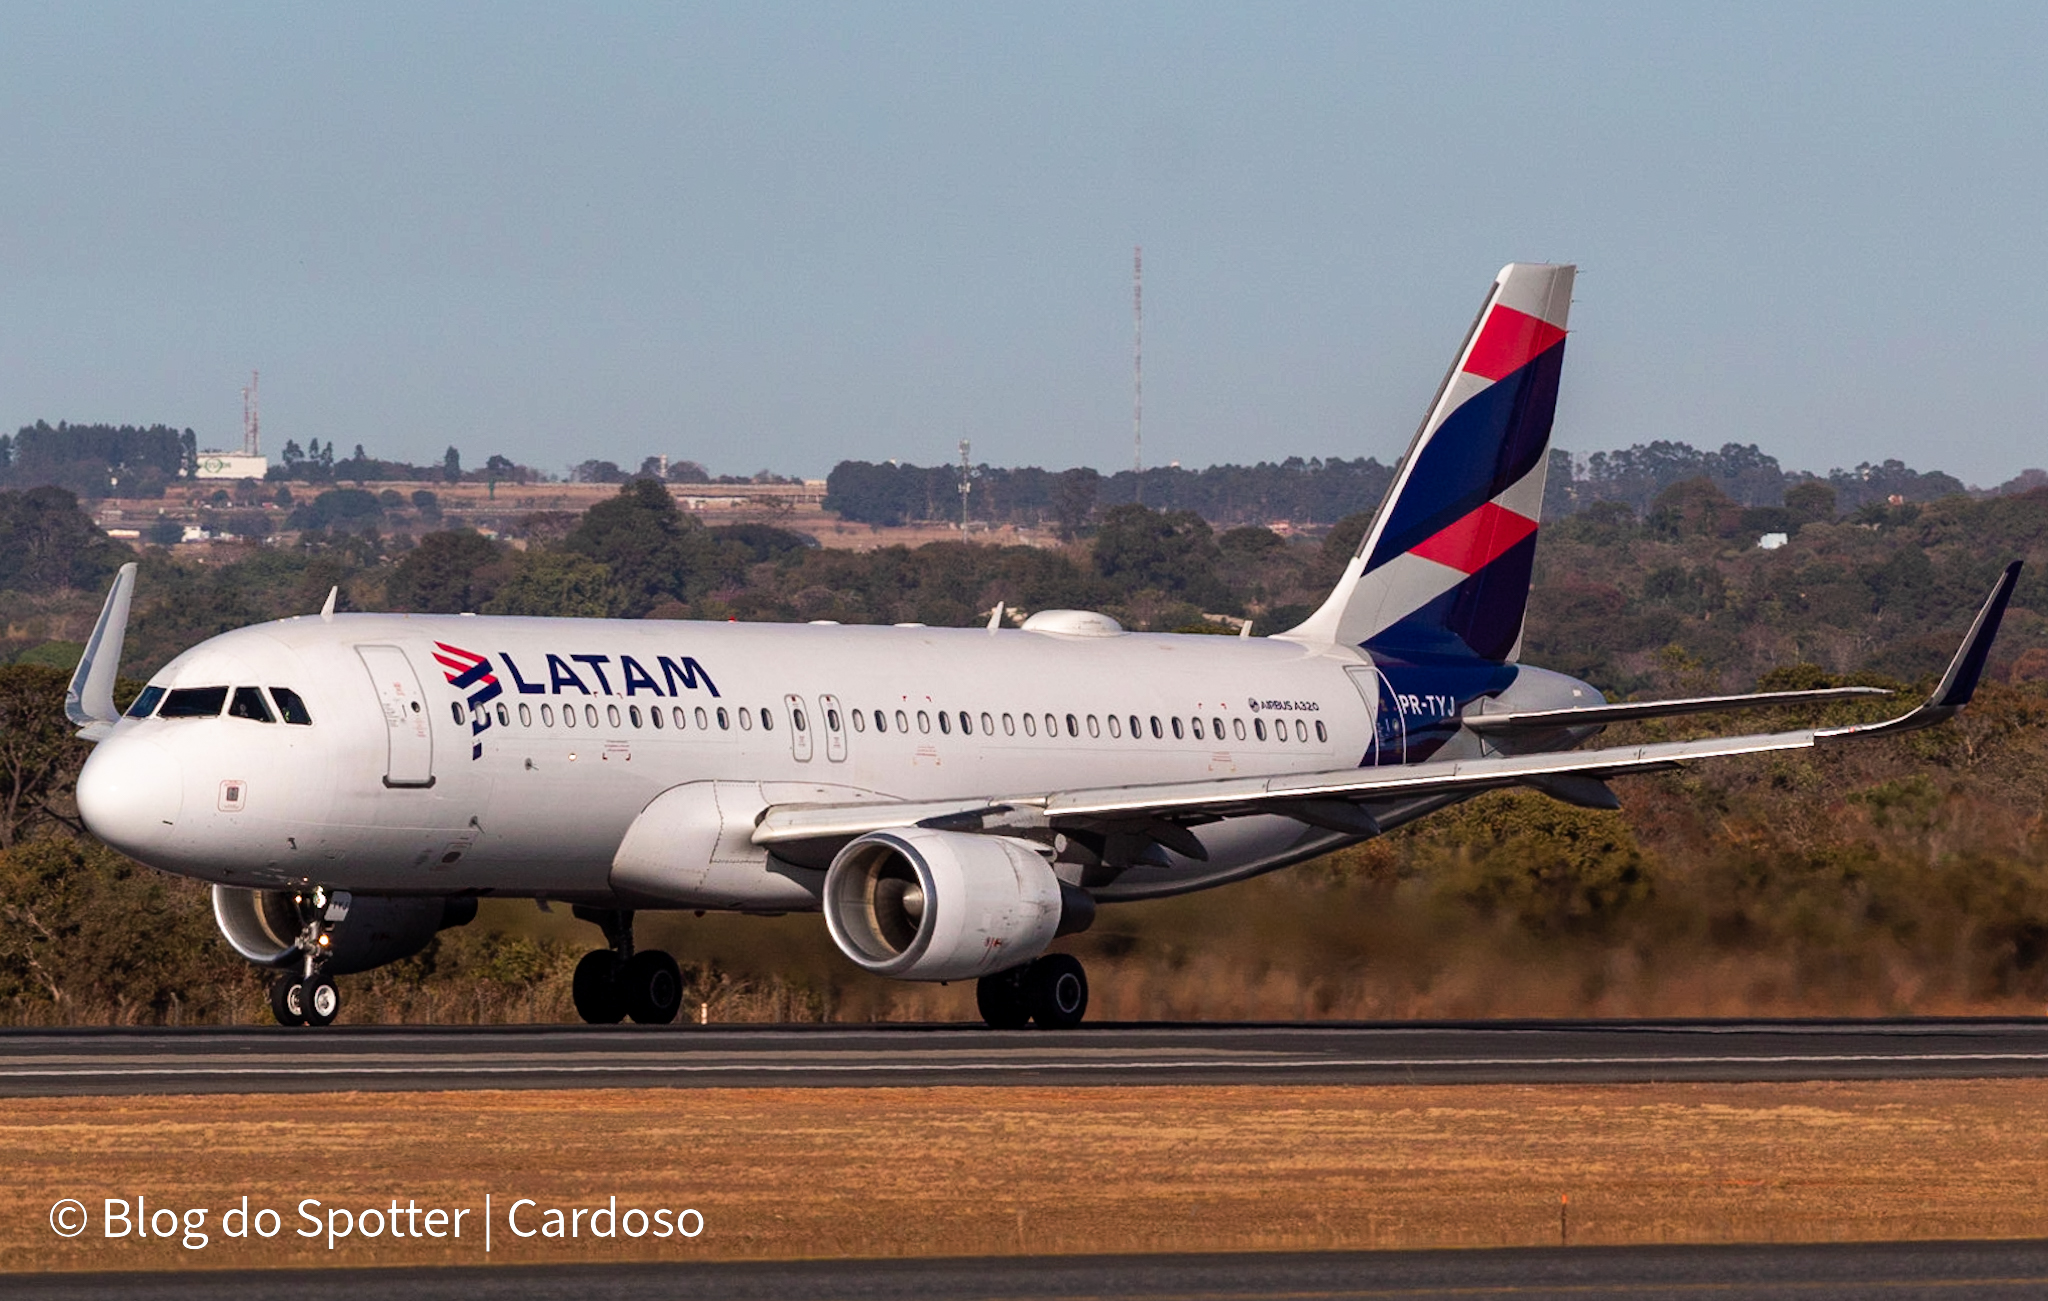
(131, 794)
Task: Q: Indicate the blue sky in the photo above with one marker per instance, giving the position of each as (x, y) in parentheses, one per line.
(770, 235)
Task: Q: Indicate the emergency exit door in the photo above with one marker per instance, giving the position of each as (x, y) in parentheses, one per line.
(408, 732)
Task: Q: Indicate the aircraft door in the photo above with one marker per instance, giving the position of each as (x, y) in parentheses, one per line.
(1390, 726)
(408, 731)
(833, 718)
(799, 727)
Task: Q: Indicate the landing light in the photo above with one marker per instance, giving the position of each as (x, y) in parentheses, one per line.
(326, 940)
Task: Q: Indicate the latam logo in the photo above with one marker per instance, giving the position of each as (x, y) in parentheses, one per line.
(470, 671)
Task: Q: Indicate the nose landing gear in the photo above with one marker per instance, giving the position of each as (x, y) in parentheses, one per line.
(615, 983)
(308, 995)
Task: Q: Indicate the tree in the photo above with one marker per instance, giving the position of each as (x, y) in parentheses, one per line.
(451, 466)
(447, 573)
(1171, 551)
(558, 585)
(40, 754)
(597, 472)
(651, 548)
(47, 543)
(1074, 500)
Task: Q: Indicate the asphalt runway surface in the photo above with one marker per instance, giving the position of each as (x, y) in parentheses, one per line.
(276, 1060)
(1958, 1271)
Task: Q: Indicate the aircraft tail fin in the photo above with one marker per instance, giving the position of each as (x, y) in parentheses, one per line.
(1444, 570)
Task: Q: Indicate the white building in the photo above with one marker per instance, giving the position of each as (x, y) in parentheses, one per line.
(232, 465)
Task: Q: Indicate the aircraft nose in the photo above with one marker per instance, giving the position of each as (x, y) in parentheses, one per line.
(130, 794)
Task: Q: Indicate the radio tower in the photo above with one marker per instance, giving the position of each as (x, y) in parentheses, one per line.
(1138, 373)
(250, 440)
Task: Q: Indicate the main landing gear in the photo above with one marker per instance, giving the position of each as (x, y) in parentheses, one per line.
(304, 994)
(615, 983)
(1052, 991)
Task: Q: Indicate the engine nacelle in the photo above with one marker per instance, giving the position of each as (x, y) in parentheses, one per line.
(918, 904)
(263, 926)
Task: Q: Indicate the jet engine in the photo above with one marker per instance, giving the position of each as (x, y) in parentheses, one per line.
(263, 926)
(918, 904)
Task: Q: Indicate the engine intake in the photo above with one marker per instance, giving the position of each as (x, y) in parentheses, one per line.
(263, 926)
(918, 904)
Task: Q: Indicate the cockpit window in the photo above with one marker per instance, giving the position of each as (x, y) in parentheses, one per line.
(146, 702)
(194, 702)
(249, 704)
(293, 708)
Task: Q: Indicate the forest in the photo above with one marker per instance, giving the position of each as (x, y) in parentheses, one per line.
(1908, 875)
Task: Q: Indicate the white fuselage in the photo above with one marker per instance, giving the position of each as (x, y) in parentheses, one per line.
(405, 782)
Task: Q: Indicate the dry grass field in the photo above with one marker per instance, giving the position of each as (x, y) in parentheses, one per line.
(901, 1172)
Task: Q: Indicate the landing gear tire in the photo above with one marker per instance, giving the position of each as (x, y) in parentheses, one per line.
(596, 988)
(651, 987)
(1002, 1001)
(1056, 988)
(287, 1000)
(320, 1000)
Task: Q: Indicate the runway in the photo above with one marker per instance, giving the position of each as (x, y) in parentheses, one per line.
(1955, 1271)
(275, 1060)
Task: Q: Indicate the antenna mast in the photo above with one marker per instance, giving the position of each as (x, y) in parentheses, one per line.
(1137, 372)
(250, 424)
(966, 482)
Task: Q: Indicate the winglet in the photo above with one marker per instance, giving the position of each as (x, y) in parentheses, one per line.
(89, 702)
(1957, 685)
(327, 608)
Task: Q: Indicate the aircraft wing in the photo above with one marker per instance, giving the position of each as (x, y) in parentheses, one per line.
(1543, 720)
(1163, 812)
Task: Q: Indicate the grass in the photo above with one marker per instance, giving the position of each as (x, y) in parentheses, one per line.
(966, 1171)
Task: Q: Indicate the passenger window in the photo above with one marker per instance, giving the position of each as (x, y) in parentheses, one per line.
(1073, 726)
(145, 702)
(924, 721)
(1052, 725)
(590, 714)
(1030, 725)
(746, 719)
(902, 722)
(1280, 731)
(568, 715)
(767, 721)
(525, 714)
(988, 725)
(796, 716)
(724, 724)
(504, 716)
(881, 721)
(1094, 727)
(1137, 729)
(1116, 727)
(682, 718)
(859, 721)
(632, 714)
(1300, 731)
(1216, 728)
(248, 703)
(966, 723)
(1237, 728)
(1178, 732)
(831, 720)
(1259, 728)
(653, 716)
(1157, 731)
(1322, 733)
(945, 725)
(547, 716)
(1009, 725)
(455, 708)
(291, 707)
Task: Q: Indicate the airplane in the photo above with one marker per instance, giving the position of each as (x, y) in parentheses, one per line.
(953, 800)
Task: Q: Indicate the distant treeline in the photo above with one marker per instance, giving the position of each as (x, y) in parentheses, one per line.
(1317, 492)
